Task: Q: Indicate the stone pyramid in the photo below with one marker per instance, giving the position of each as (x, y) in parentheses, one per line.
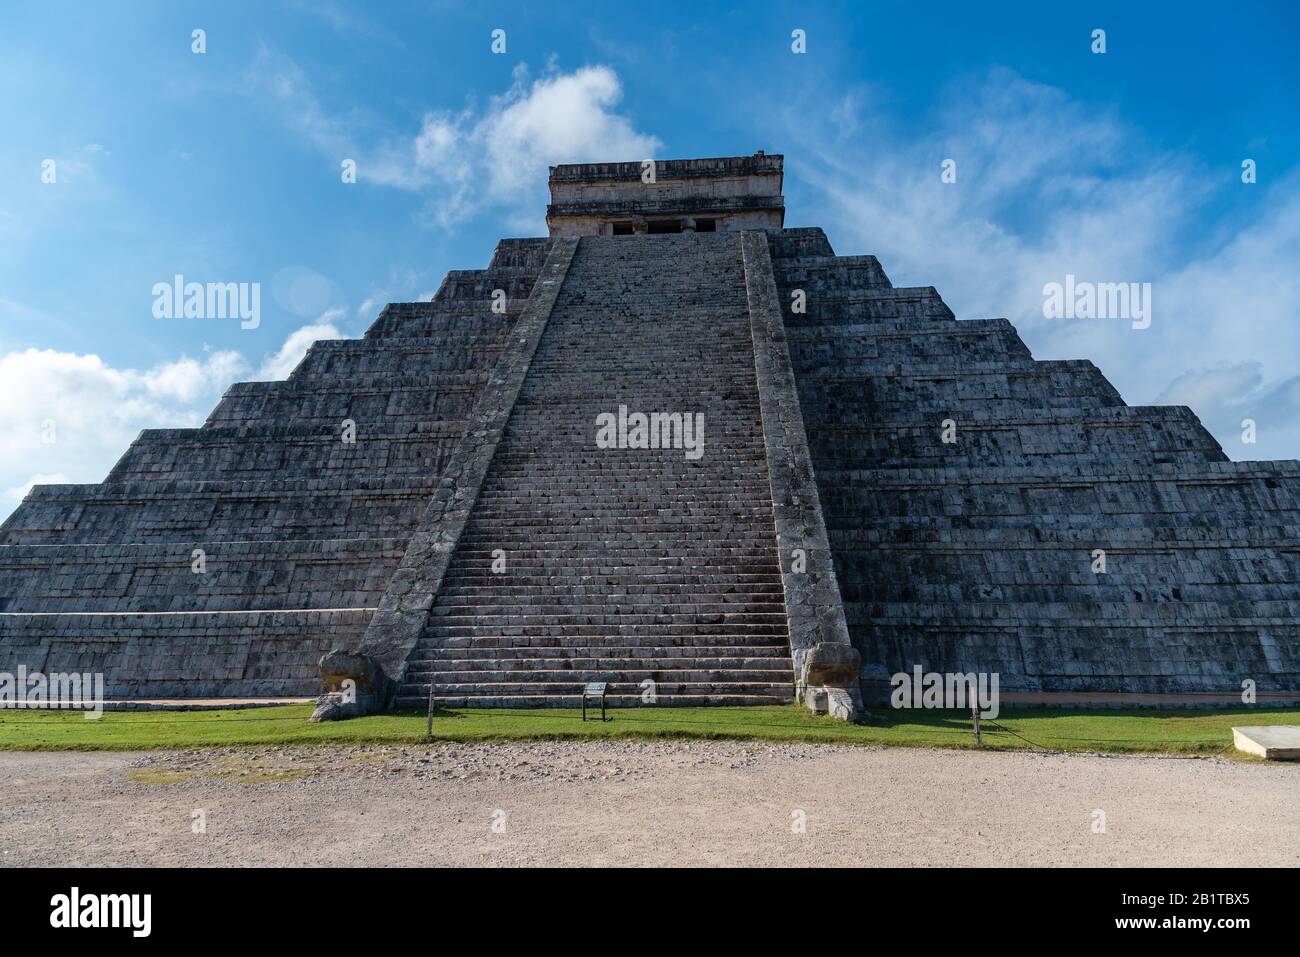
(475, 542)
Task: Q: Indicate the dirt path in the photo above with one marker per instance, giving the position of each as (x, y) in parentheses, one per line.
(642, 803)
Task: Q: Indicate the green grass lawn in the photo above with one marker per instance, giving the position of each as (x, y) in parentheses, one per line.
(1119, 731)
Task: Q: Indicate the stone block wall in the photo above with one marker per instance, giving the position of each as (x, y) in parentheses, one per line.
(978, 554)
(299, 531)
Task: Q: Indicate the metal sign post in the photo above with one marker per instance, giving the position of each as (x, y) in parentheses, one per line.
(594, 689)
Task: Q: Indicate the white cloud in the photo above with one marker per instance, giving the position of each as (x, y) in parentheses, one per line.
(1227, 396)
(295, 347)
(1213, 387)
(563, 118)
(186, 380)
(281, 81)
(67, 417)
(467, 160)
(1045, 188)
(501, 155)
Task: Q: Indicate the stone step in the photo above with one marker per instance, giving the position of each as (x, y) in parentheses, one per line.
(614, 583)
(443, 398)
(522, 253)
(701, 518)
(588, 527)
(898, 382)
(797, 243)
(700, 657)
(916, 333)
(525, 674)
(345, 358)
(440, 635)
(571, 700)
(662, 477)
(566, 686)
(749, 639)
(481, 283)
(445, 618)
(526, 610)
(464, 321)
(841, 273)
(608, 553)
(617, 589)
(604, 573)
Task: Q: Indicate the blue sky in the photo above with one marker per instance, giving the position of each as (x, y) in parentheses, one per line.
(225, 166)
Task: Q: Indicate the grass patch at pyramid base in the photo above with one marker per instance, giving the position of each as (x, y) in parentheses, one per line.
(1191, 732)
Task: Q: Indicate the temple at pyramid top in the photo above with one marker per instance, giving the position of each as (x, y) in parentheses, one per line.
(667, 196)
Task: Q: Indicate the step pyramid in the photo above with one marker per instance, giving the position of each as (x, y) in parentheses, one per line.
(479, 544)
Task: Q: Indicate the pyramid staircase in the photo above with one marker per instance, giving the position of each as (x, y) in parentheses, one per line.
(644, 568)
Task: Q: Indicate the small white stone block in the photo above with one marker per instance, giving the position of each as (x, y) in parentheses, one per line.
(840, 704)
(815, 699)
(1274, 742)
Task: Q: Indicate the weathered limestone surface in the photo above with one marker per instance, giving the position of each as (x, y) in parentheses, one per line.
(978, 555)
(230, 559)
(812, 597)
(732, 192)
(300, 533)
(402, 613)
(641, 567)
(355, 685)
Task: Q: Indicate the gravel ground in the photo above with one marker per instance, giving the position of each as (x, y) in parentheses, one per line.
(641, 803)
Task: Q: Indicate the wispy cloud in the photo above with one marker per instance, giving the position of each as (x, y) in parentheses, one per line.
(345, 20)
(466, 160)
(1046, 188)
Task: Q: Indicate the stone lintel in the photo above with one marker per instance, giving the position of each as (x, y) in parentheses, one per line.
(699, 206)
(730, 193)
(758, 164)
